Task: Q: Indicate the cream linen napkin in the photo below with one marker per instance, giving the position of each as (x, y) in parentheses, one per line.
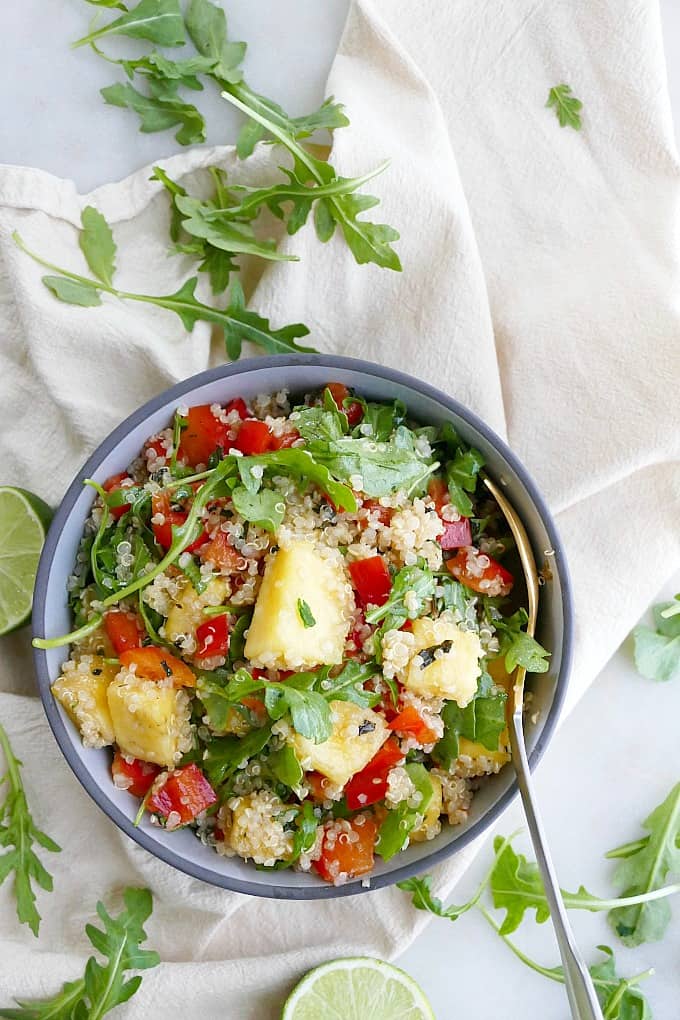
(540, 288)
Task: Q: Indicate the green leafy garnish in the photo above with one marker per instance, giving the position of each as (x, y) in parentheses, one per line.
(516, 886)
(383, 467)
(401, 821)
(158, 112)
(224, 755)
(305, 613)
(104, 985)
(566, 106)
(18, 834)
(285, 766)
(158, 20)
(207, 25)
(97, 244)
(645, 870)
(657, 651)
(416, 581)
(265, 508)
(482, 721)
(517, 647)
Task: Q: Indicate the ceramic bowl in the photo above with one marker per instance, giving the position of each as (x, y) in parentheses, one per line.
(300, 374)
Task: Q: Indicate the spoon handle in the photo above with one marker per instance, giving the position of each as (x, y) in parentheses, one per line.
(578, 982)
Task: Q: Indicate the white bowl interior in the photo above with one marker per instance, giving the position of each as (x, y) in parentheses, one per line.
(299, 379)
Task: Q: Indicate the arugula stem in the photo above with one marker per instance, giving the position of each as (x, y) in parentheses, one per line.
(67, 639)
(627, 849)
(12, 774)
(87, 281)
(576, 903)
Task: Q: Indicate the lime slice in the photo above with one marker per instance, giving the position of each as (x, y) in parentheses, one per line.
(23, 521)
(357, 988)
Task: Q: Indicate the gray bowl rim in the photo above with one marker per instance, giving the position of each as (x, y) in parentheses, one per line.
(40, 595)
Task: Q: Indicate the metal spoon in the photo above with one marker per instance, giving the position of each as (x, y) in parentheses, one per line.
(580, 989)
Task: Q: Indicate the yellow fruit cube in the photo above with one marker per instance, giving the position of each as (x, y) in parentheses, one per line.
(444, 661)
(81, 689)
(278, 636)
(430, 825)
(476, 760)
(150, 718)
(357, 735)
(186, 611)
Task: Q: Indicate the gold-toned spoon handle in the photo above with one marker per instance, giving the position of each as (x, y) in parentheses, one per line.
(578, 982)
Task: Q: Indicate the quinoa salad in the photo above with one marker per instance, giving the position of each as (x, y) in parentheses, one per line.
(294, 630)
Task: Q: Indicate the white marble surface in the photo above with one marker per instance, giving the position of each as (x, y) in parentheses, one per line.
(616, 756)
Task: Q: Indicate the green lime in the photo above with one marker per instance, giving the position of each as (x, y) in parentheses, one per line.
(23, 521)
(357, 988)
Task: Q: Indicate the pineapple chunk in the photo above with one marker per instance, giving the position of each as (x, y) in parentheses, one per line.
(357, 735)
(277, 637)
(81, 689)
(444, 661)
(476, 760)
(252, 827)
(186, 611)
(150, 718)
(430, 825)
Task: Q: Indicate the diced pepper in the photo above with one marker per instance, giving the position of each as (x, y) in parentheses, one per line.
(155, 663)
(202, 435)
(383, 514)
(284, 441)
(340, 857)
(220, 552)
(370, 785)
(237, 405)
(371, 580)
(135, 776)
(411, 723)
(480, 572)
(113, 484)
(123, 629)
(253, 437)
(438, 491)
(184, 795)
(213, 637)
(340, 393)
(160, 504)
(457, 534)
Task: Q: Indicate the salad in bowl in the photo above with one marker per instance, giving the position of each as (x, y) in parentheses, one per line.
(294, 630)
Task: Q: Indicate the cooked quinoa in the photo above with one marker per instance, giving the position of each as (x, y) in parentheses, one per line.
(290, 630)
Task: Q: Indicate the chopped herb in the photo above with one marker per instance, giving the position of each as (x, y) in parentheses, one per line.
(566, 106)
(305, 613)
(657, 650)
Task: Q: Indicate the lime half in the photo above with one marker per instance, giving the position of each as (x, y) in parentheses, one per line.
(23, 521)
(357, 988)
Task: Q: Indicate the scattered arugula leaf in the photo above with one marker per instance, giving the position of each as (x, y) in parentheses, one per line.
(462, 471)
(383, 467)
(657, 651)
(417, 582)
(400, 822)
(305, 614)
(160, 21)
(158, 112)
(18, 833)
(224, 755)
(566, 106)
(265, 508)
(298, 463)
(516, 887)
(103, 986)
(285, 766)
(207, 26)
(645, 871)
(517, 647)
(97, 244)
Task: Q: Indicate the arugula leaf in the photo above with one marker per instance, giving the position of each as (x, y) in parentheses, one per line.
(173, 73)
(657, 651)
(104, 986)
(348, 684)
(647, 870)
(516, 886)
(108, 3)
(238, 322)
(383, 419)
(230, 236)
(157, 113)
(482, 721)
(158, 20)
(309, 711)
(305, 614)
(517, 647)
(417, 582)
(461, 477)
(265, 508)
(567, 107)
(401, 821)
(97, 244)
(286, 767)
(18, 834)
(207, 25)
(299, 463)
(383, 467)
(224, 755)
(317, 423)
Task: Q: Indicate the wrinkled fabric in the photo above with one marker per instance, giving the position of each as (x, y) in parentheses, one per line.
(539, 288)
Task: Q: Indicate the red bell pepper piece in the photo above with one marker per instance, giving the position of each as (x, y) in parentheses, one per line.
(160, 504)
(410, 722)
(202, 435)
(284, 441)
(123, 629)
(382, 513)
(155, 663)
(135, 776)
(371, 580)
(237, 405)
(220, 552)
(340, 394)
(438, 491)
(457, 534)
(113, 484)
(340, 857)
(370, 785)
(253, 437)
(480, 572)
(213, 637)
(185, 794)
